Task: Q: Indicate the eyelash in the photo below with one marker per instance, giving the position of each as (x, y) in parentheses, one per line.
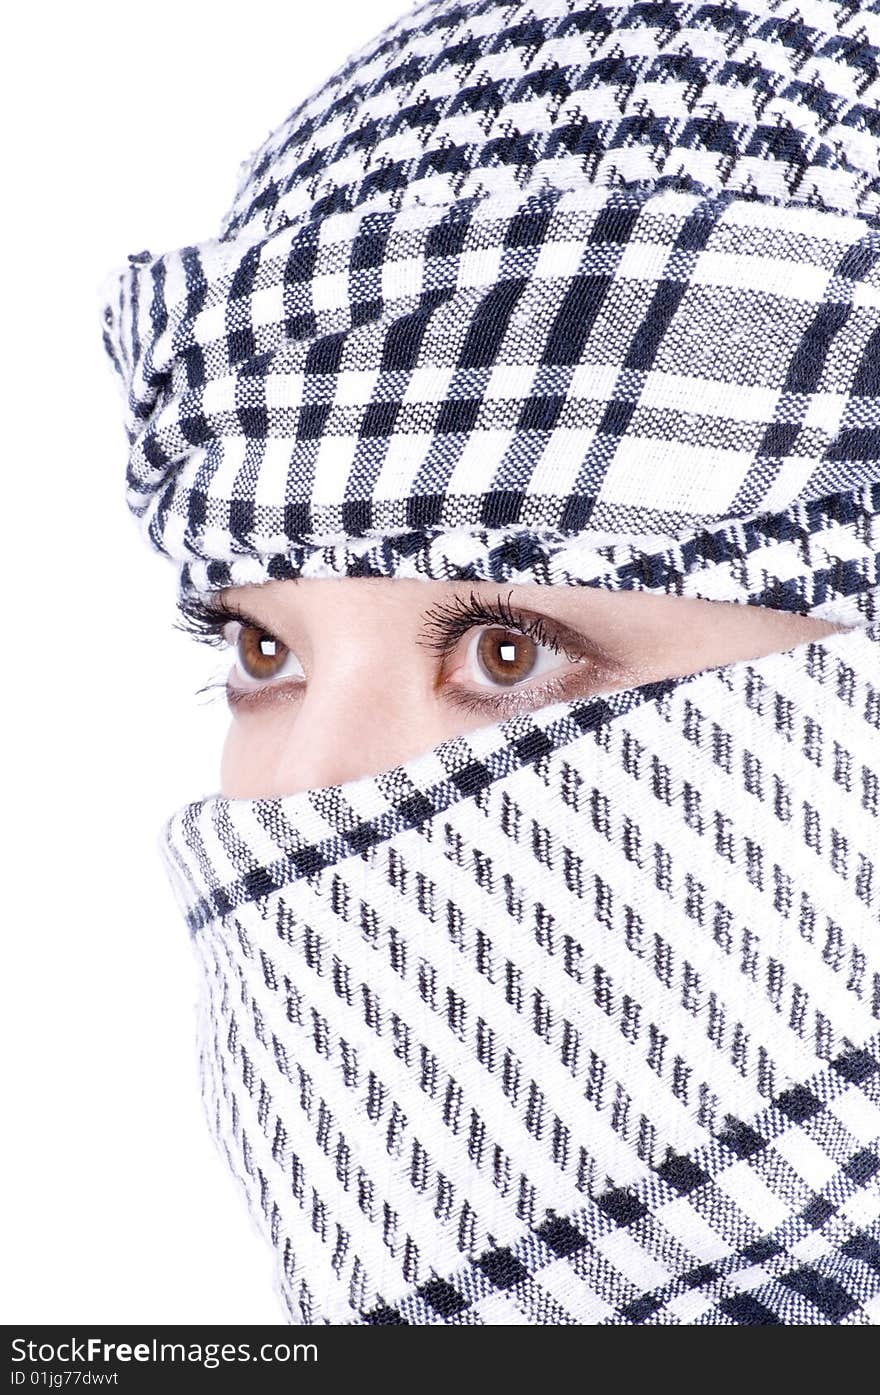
(443, 626)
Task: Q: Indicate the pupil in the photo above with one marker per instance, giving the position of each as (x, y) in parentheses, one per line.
(505, 657)
(259, 653)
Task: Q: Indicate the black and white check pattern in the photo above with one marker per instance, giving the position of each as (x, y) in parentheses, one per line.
(545, 271)
(573, 1019)
(820, 1265)
(822, 560)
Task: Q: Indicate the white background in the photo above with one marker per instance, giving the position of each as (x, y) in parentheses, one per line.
(123, 129)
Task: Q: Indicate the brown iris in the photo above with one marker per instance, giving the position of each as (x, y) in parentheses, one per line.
(260, 654)
(506, 656)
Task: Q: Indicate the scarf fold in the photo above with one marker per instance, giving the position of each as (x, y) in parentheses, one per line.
(544, 272)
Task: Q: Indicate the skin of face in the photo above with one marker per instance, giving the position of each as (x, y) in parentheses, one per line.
(374, 694)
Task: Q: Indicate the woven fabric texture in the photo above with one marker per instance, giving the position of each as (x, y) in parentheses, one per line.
(573, 1019)
(532, 270)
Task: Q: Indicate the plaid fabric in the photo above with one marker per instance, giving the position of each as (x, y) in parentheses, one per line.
(541, 271)
(822, 560)
(573, 1019)
(594, 1042)
(820, 1265)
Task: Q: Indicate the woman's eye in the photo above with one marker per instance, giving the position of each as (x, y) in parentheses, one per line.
(260, 657)
(496, 657)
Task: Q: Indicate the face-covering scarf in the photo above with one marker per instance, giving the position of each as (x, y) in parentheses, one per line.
(574, 1018)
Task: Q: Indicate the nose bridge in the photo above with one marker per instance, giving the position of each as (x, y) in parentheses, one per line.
(361, 710)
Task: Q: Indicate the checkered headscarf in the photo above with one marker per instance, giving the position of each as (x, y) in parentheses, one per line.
(521, 273)
(574, 1018)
